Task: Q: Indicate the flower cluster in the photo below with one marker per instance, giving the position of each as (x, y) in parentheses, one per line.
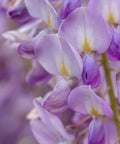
(74, 46)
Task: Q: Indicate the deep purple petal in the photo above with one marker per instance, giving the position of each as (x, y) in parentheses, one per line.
(68, 6)
(96, 134)
(113, 51)
(91, 74)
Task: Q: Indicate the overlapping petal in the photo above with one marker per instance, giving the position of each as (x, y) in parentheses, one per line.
(26, 49)
(52, 122)
(58, 57)
(83, 100)
(109, 9)
(42, 133)
(56, 102)
(44, 10)
(86, 31)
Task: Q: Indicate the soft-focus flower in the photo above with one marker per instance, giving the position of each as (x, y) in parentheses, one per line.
(38, 75)
(48, 128)
(65, 45)
(17, 11)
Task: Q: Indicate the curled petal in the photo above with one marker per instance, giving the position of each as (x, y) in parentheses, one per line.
(56, 102)
(18, 12)
(96, 134)
(83, 100)
(86, 30)
(26, 49)
(57, 57)
(68, 6)
(91, 74)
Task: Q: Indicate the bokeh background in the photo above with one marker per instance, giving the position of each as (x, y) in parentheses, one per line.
(16, 95)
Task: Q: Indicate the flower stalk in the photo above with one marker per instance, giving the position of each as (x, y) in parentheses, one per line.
(113, 102)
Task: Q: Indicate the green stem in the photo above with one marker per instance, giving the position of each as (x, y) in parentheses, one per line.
(113, 102)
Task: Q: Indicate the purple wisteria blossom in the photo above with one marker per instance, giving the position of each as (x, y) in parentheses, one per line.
(16, 10)
(113, 51)
(90, 65)
(60, 71)
(50, 129)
